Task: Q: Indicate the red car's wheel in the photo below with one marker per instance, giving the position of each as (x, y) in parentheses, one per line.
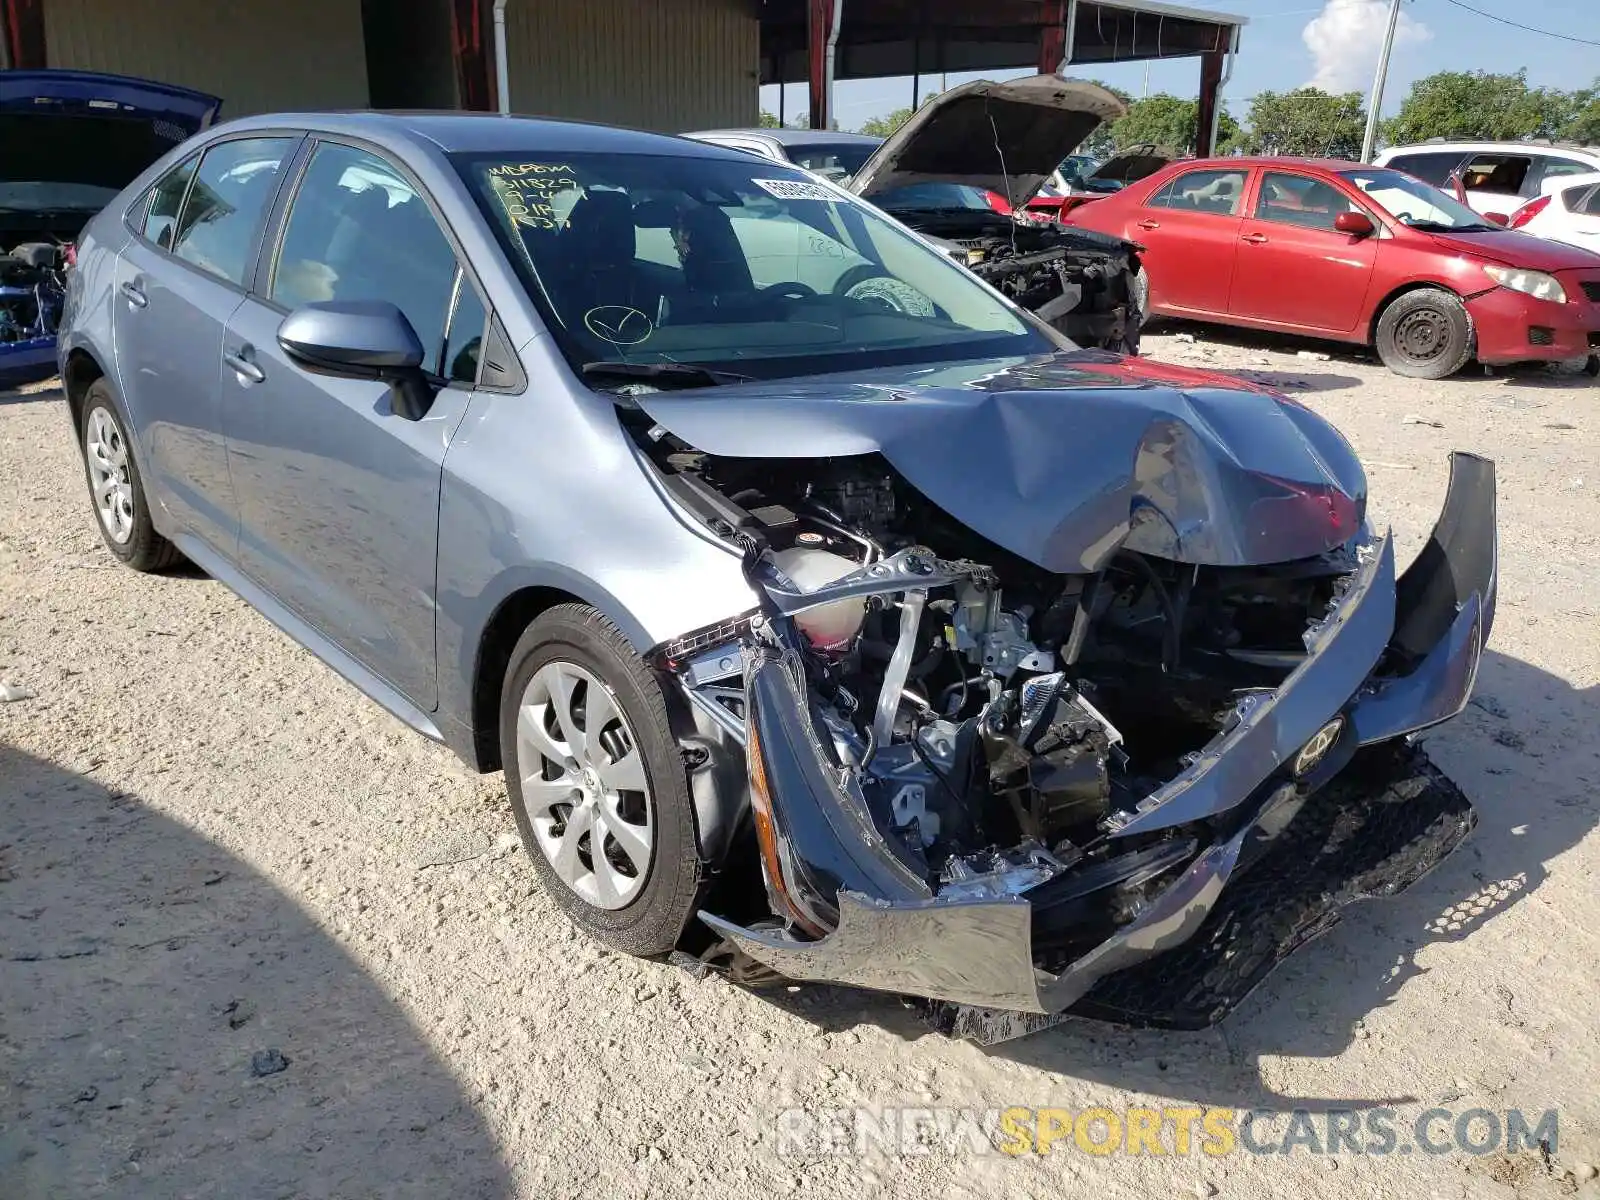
(1425, 334)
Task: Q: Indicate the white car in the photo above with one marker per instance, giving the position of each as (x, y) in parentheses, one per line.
(1494, 178)
(1568, 211)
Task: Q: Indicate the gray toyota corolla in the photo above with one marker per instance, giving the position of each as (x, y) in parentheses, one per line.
(831, 617)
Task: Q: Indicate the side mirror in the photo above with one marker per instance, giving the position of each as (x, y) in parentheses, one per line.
(365, 339)
(1356, 224)
(1497, 218)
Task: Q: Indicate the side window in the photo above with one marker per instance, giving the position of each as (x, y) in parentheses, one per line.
(357, 230)
(1300, 200)
(464, 342)
(1430, 168)
(1552, 168)
(1501, 174)
(1590, 206)
(1163, 198)
(161, 206)
(217, 229)
(1217, 192)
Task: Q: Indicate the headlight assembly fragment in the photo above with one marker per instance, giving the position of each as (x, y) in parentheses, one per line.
(1533, 283)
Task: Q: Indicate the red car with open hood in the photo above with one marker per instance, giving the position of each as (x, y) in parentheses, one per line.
(1353, 253)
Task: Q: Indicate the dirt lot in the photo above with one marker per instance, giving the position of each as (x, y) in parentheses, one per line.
(257, 939)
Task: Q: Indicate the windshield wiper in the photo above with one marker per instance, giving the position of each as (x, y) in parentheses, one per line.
(668, 373)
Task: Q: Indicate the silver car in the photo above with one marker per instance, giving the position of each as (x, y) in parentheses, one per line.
(832, 617)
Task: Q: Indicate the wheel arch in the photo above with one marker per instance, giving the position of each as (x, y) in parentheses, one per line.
(498, 639)
(1413, 285)
(79, 370)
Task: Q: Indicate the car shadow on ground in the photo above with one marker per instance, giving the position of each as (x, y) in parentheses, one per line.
(1521, 754)
(1529, 374)
(172, 1023)
(30, 393)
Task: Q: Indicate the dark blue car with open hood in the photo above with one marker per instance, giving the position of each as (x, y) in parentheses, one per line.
(72, 140)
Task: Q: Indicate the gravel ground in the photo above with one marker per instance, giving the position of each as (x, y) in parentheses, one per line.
(257, 939)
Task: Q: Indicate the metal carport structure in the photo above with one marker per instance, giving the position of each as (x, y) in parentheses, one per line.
(820, 41)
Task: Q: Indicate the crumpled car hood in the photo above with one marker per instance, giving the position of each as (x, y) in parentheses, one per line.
(1063, 459)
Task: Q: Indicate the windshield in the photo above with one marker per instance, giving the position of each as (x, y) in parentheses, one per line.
(48, 196)
(932, 197)
(1415, 203)
(747, 267)
(837, 162)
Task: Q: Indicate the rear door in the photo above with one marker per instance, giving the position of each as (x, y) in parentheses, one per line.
(1294, 267)
(339, 496)
(1190, 229)
(178, 282)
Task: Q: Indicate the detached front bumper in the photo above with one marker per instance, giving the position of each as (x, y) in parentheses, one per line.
(1424, 631)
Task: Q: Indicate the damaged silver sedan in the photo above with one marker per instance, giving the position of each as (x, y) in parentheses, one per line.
(832, 617)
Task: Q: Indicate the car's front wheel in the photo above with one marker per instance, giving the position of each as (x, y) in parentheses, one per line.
(598, 783)
(116, 487)
(1425, 334)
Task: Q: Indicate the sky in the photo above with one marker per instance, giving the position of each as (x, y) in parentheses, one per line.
(1331, 43)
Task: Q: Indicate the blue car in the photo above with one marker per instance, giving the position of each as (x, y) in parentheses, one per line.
(69, 142)
(831, 616)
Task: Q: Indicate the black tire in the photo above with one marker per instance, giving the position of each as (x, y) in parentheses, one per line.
(143, 548)
(1425, 334)
(1141, 293)
(653, 921)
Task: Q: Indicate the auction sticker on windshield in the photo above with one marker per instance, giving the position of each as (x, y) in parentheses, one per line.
(795, 189)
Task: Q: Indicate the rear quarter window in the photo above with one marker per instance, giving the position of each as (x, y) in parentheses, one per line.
(1431, 168)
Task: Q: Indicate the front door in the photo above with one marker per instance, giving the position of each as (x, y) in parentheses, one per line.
(1294, 268)
(338, 495)
(1190, 229)
(177, 283)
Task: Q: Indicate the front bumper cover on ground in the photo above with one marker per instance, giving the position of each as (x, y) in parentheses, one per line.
(1424, 632)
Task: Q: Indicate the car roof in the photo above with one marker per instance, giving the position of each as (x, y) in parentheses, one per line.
(1245, 162)
(1443, 146)
(484, 132)
(794, 137)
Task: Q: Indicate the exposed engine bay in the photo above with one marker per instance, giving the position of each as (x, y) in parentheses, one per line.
(1079, 281)
(32, 290)
(996, 720)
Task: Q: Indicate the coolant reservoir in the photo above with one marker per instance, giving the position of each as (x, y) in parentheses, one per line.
(829, 626)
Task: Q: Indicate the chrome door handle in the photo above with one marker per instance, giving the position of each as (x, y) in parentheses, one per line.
(1148, 223)
(135, 295)
(247, 370)
(1255, 239)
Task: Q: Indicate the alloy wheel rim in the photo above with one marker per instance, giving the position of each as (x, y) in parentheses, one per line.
(106, 451)
(584, 785)
(1422, 335)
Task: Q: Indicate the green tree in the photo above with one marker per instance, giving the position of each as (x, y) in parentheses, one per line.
(884, 126)
(1100, 143)
(768, 120)
(1167, 122)
(1480, 105)
(1306, 122)
(1583, 122)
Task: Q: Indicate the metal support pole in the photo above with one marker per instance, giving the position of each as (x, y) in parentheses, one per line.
(822, 43)
(1375, 101)
(502, 72)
